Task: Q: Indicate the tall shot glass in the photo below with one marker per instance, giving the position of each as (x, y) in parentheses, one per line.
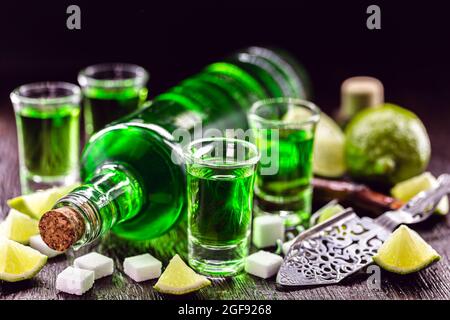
(48, 130)
(283, 129)
(110, 92)
(220, 181)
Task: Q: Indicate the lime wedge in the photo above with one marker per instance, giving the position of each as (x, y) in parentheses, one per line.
(19, 262)
(326, 212)
(407, 189)
(36, 204)
(405, 252)
(329, 212)
(329, 145)
(179, 279)
(19, 227)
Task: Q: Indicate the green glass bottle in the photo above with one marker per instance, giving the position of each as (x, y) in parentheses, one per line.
(134, 179)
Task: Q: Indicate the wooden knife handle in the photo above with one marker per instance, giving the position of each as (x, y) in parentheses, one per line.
(355, 195)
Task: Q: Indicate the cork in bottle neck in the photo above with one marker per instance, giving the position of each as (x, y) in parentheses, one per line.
(61, 228)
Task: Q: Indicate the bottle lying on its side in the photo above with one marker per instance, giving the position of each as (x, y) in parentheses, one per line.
(132, 183)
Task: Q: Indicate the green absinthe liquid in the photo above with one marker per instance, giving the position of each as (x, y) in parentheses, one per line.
(219, 204)
(48, 140)
(292, 183)
(131, 180)
(219, 217)
(104, 105)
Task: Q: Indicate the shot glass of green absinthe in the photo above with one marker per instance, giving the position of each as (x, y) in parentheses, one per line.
(47, 118)
(110, 92)
(220, 180)
(283, 129)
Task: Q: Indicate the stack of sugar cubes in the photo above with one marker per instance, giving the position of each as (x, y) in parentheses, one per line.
(80, 278)
(92, 266)
(267, 231)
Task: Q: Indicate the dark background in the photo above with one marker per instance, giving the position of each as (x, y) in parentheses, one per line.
(410, 54)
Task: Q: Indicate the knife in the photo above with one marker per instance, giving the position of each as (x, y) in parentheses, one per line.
(344, 244)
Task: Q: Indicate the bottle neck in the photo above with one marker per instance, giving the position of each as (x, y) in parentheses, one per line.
(111, 195)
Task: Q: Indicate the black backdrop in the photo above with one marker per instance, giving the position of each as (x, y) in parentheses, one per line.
(410, 54)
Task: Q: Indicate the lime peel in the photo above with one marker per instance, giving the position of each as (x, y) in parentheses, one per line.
(405, 252)
(19, 262)
(329, 212)
(326, 212)
(407, 189)
(179, 279)
(387, 144)
(19, 227)
(36, 204)
(329, 145)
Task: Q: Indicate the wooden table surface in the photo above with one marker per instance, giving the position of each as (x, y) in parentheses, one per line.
(431, 283)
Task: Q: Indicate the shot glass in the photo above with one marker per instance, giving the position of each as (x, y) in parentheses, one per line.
(220, 181)
(48, 130)
(283, 129)
(111, 91)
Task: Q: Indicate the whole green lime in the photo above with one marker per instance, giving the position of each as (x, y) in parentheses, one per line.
(388, 144)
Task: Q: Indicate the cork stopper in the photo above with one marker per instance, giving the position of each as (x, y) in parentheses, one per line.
(358, 93)
(61, 228)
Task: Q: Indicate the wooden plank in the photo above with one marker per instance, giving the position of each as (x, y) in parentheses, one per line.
(432, 283)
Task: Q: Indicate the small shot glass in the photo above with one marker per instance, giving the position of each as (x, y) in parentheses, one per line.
(220, 181)
(48, 130)
(110, 92)
(283, 129)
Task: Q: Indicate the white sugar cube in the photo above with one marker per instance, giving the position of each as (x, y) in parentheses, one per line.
(38, 244)
(101, 265)
(75, 281)
(287, 245)
(263, 264)
(142, 267)
(267, 230)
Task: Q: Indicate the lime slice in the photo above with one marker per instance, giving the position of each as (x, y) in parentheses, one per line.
(326, 212)
(179, 279)
(36, 204)
(19, 227)
(329, 145)
(19, 262)
(407, 189)
(329, 212)
(405, 252)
